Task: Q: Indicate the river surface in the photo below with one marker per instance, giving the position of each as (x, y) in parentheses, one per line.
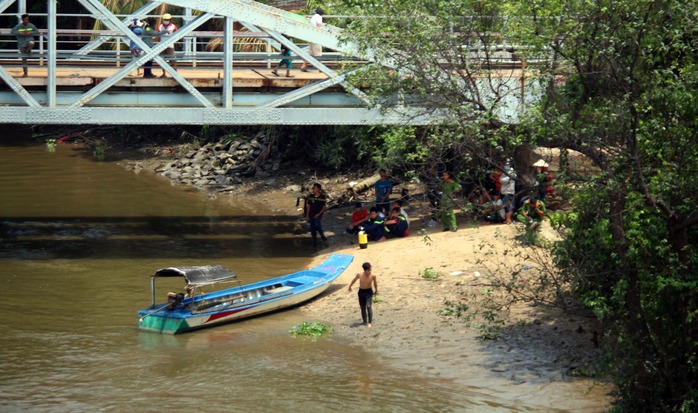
(78, 242)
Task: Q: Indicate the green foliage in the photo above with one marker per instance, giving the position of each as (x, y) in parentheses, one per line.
(488, 316)
(50, 145)
(99, 151)
(491, 329)
(459, 310)
(425, 236)
(230, 137)
(430, 274)
(619, 84)
(204, 135)
(312, 329)
(331, 152)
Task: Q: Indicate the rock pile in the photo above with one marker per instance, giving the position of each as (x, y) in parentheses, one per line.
(222, 165)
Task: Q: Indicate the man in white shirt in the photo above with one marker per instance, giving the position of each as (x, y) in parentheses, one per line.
(313, 48)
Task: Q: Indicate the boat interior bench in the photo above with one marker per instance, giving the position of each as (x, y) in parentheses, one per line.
(225, 300)
(302, 279)
(277, 290)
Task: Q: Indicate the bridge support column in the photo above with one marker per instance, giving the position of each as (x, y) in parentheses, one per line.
(228, 63)
(51, 81)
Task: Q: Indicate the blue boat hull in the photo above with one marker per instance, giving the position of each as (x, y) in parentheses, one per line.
(225, 306)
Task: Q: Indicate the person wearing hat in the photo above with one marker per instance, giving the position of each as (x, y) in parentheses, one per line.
(508, 182)
(314, 49)
(543, 179)
(166, 28)
(366, 292)
(359, 216)
(143, 30)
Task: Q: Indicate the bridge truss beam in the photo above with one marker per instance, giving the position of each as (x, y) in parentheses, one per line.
(108, 101)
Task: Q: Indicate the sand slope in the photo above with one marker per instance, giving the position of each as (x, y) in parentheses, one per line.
(530, 363)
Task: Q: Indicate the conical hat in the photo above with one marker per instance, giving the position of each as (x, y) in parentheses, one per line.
(541, 163)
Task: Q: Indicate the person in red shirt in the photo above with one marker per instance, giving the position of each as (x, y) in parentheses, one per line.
(494, 176)
(359, 216)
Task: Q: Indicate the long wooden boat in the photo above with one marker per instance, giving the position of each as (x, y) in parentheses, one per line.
(193, 309)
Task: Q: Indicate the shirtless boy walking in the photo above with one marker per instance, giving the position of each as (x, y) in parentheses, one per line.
(366, 292)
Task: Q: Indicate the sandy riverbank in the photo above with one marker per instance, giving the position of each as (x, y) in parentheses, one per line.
(531, 364)
(533, 361)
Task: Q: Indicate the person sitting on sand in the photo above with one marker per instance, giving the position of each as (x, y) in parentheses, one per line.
(374, 226)
(494, 212)
(366, 292)
(398, 203)
(396, 225)
(531, 214)
(359, 216)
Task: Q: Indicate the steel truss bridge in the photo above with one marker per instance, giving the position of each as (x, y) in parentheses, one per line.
(89, 83)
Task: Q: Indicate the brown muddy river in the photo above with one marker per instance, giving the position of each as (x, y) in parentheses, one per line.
(78, 242)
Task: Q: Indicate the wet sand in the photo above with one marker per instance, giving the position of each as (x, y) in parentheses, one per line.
(531, 364)
(532, 361)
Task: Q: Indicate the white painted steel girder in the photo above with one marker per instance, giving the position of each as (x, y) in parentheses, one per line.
(270, 18)
(147, 99)
(4, 4)
(51, 45)
(19, 89)
(138, 14)
(105, 15)
(206, 116)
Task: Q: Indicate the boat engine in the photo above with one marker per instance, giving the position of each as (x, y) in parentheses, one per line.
(174, 300)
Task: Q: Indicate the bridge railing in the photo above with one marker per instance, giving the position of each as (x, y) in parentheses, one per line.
(115, 50)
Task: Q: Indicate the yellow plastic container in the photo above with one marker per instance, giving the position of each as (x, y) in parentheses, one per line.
(363, 240)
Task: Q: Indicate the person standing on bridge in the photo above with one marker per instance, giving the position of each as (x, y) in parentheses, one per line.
(286, 52)
(25, 32)
(166, 29)
(143, 30)
(314, 49)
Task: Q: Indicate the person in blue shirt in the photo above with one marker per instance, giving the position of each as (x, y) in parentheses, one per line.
(396, 225)
(383, 189)
(146, 32)
(374, 227)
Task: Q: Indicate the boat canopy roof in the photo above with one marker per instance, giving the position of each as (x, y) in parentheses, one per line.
(199, 275)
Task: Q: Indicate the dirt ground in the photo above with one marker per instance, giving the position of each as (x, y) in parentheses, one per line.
(539, 351)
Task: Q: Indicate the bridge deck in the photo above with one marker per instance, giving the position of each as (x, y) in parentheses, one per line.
(71, 77)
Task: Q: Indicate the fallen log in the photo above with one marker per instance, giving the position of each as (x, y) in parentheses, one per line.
(363, 185)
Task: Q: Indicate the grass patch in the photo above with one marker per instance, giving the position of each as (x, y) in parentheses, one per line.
(313, 329)
(430, 274)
